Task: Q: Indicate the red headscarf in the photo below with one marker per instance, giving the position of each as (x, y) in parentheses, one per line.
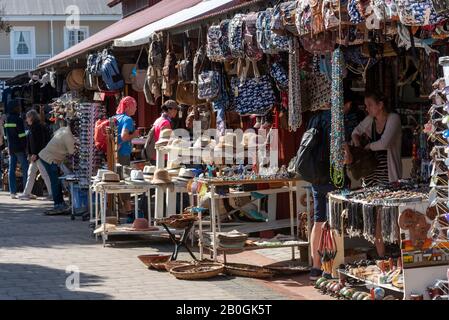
(126, 103)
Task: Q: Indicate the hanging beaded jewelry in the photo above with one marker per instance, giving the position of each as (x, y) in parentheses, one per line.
(337, 121)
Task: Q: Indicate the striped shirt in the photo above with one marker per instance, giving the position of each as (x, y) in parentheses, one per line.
(380, 175)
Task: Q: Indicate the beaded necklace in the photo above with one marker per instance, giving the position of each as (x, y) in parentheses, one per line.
(337, 121)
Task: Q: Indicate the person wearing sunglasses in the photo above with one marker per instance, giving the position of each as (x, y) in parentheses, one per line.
(382, 129)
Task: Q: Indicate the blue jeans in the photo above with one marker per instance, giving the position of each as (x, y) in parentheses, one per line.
(13, 157)
(320, 201)
(56, 187)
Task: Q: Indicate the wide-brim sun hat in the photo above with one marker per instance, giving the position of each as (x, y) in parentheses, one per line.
(161, 176)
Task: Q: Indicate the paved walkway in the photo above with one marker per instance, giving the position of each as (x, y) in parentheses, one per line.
(36, 250)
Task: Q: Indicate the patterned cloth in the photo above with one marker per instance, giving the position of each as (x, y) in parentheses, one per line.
(253, 96)
(294, 88)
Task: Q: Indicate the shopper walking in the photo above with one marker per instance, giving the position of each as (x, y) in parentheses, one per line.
(16, 136)
(37, 139)
(60, 146)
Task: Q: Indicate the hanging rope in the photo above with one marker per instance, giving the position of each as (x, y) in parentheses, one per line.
(337, 123)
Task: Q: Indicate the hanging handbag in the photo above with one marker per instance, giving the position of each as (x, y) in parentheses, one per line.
(187, 93)
(169, 73)
(252, 95)
(235, 34)
(364, 163)
(185, 67)
(279, 75)
(417, 13)
(208, 85)
(303, 19)
(252, 50)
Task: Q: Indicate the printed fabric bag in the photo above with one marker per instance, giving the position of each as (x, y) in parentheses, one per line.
(252, 95)
(280, 76)
(208, 85)
(269, 42)
(223, 101)
(319, 87)
(252, 50)
(330, 13)
(317, 16)
(288, 12)
(303, 19)
(224, 41)
(213, 48)
(417, 13)
(355, 16)
(276, 24)
(235, 34)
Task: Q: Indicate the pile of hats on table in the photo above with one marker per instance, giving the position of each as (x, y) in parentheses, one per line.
(227, 240)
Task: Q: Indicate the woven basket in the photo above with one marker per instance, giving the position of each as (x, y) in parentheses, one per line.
(177, 221)
(287, 267)
(247, 270)
(149, 259)
(160, 266)
(176, 263)
(198, 271)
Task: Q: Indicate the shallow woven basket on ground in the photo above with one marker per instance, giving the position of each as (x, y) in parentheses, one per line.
(149, 259)
(247, 270)
(288, 267)
(197, 271)
(176, 263)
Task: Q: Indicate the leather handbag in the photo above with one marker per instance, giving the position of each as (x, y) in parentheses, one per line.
(364, 163)
(187, 93)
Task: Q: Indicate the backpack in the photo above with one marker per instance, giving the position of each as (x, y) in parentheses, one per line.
(110, 73)
(156, 53)
(252, 50)
(311, 162)
(169, 73)
(100, 134)
(235, 32)
(149, 150)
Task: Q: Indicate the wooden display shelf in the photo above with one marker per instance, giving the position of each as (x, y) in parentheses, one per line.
(218, 182)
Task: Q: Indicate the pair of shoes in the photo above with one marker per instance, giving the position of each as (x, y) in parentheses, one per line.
(58, 210)
(14, 196)
(47, 198)
(315, 274)
(26, 196)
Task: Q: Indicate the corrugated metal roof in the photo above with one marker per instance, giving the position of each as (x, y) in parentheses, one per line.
(56, 7)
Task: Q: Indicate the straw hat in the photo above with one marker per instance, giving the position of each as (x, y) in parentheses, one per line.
(224, 142)
(164, 136)
(161, 176)
(141, 224)
(75, 79)
(179, 144)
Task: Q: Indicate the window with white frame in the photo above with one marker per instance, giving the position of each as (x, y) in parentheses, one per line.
(74, 36)
(22, 42)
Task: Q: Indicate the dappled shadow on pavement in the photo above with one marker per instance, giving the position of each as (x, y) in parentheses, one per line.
(29, 281)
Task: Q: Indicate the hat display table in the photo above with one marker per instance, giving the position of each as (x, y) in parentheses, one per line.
(101, 192)
(216, 226)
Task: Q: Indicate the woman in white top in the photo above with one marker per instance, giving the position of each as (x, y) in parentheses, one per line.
(383, 131)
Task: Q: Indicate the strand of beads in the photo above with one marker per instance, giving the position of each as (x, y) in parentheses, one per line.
(337, 120)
